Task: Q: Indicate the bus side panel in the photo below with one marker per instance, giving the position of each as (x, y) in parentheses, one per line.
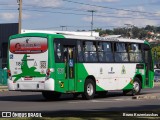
(151, 79)
(61, 84)
(116, 76)
(81, 76)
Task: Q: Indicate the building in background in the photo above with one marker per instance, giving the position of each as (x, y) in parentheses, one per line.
(6, 30)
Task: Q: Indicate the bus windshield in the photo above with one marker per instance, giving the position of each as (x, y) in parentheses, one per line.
(28, 45)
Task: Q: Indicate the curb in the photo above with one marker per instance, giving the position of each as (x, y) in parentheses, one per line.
(146, 97)
(157, 84)
(3, 88)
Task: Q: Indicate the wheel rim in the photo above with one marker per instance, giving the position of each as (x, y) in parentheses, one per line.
(136, 86)
(89, 89)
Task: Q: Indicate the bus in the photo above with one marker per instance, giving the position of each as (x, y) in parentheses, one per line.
(57, 64)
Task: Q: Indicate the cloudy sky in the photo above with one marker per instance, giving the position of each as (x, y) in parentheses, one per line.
(75, 15)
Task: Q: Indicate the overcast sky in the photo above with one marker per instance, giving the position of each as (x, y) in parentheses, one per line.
(52, 14)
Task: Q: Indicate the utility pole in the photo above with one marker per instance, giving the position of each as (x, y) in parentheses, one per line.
(92, 11)
(19, 2)
(63, 27)
(129, 32)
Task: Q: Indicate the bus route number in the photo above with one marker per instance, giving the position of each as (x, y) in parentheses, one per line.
(60, 70)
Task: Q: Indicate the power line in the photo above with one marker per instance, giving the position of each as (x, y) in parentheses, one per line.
(69, 26)
(88, 5)
(8, 9)
(107, 7)
(82, 10)
(79, 10)
(88, 14)
(64, 8)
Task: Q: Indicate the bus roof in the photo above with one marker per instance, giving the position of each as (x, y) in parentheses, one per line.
(115, 38)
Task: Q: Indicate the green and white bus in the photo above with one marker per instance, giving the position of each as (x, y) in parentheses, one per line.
(55, 63)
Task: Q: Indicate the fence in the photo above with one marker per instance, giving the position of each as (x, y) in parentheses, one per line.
(3, 77)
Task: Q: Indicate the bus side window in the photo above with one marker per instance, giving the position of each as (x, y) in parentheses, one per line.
(90, 54)
(108, 51)
(80, 51)
(58, 52)
(135, 53)
(101, 52)
(105, 52)
(121, 54)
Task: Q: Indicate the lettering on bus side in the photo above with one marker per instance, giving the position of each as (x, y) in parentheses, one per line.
(106, 39)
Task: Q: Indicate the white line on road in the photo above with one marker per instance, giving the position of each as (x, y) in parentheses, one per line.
(101, 101)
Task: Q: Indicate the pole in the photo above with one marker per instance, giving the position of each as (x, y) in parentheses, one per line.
(63, 27)
(20, 16)
(91, 20)
(128, 31)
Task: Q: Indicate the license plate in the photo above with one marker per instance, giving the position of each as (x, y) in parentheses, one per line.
(28, 78)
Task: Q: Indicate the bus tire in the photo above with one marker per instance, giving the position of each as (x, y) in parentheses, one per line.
(89, 90)
(136, 86)
(50, 95)
(126, 91)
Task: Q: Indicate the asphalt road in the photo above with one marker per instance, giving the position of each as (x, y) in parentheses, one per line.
(114, 101)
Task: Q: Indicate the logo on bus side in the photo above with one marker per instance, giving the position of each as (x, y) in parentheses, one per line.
(123, 71)
(111, 71)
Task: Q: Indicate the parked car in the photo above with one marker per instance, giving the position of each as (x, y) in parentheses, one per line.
(156, 75)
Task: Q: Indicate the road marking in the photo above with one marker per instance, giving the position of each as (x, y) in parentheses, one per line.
(101, 101)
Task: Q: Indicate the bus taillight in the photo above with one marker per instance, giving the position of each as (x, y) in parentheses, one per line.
(48, 72)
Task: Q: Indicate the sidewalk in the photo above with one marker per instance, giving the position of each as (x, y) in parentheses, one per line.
(3, 88)
(147, 96)
(157, 84)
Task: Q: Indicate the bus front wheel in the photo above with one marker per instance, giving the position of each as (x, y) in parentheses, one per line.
(136, 86)
(89, 89)
(50, 95)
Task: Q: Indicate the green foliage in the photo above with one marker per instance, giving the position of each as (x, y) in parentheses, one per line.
(156, 52)
(135, 32)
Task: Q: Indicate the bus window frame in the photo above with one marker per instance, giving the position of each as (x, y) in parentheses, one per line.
(113, 50)
(104, 52)
(62, 41)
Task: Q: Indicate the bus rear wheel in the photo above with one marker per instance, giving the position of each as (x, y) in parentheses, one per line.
(89, 89)
(136, 86)
(50, 95)
(126, 91)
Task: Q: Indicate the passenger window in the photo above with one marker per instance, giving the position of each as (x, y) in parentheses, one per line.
(90, 54)
(80, 51)
(58, 52)
(121, 54)
(135, 53)
(105, 53)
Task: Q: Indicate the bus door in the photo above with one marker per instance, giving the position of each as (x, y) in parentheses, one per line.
(69, 61)
(148, 64)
